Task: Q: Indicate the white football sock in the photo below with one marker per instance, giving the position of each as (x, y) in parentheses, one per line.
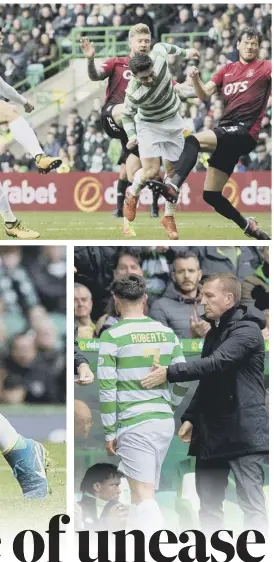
(132, 518)
(25, 136)
(8, 435)
(170, 209)
(149, 517)
(137, 185)
(5, 210)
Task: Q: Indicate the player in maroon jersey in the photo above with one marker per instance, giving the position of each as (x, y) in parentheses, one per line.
(244, 88)
(117, 71)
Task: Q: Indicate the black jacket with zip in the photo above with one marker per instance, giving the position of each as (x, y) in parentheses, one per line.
(228, 409)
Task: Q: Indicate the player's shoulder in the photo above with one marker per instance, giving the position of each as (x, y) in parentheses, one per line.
(121, 61)
(267, 66)
(158, 326)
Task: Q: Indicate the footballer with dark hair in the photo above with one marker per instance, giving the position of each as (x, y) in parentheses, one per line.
(245, 88)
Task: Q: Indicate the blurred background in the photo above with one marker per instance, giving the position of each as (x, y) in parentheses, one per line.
(41, 55)
(33, 339)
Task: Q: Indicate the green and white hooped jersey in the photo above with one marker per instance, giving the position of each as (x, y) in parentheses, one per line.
(154, 103)
(126, 355)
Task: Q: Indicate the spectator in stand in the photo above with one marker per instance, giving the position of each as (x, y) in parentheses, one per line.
(141, 16)
(26, 19)
(16, 289)
(255, 287)
(26, 367)
(48, 273)
(50, 355)
(262, 160)
(19, 56)
(179, 307)
(51, 146)
(185, 25)
(74, 159)
(128, 262)
(33, 44)
(46, 14)
(201, 26)
(47, 52)
(63, 23)
(99, 161)
(7, 159)
(82, 311)
(241, 261)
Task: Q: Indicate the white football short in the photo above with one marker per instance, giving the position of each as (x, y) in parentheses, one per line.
(163, 139)
(142, 449)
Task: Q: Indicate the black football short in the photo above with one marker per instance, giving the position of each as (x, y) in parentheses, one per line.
(114, 131)
(233, 141)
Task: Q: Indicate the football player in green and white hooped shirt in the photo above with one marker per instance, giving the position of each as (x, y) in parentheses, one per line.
(150, 118)
(139, 425)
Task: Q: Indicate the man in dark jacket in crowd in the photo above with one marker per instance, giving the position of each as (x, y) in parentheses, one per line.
(226, 422)
(179, 307)
(238, 260)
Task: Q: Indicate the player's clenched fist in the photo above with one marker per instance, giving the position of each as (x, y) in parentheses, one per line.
(192, 54)
(87, 47)
(28, 107)
(193, 72)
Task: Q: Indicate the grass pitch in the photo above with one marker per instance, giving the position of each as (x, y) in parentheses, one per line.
(103, 226)
(16, 513)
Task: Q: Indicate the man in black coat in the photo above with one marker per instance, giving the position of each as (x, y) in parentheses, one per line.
(226, 422)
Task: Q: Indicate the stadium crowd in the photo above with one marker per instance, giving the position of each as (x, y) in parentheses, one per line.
(174, 276)
(32, 324)
(33, 33)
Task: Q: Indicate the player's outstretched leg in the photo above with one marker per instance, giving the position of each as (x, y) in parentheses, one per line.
(223, 206)
(26, 137)
(27, 459)
(13, 227)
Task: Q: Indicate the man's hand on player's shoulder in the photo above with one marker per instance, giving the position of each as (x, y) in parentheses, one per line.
(87, 47)
(157, 376)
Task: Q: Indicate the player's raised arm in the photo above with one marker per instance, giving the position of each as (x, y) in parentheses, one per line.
(185, 91)
(203, 91)
(95, 72)
(168, 49)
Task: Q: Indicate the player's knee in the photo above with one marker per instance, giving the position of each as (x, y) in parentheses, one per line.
(212, 198)
(191, 140)
(151, 173)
